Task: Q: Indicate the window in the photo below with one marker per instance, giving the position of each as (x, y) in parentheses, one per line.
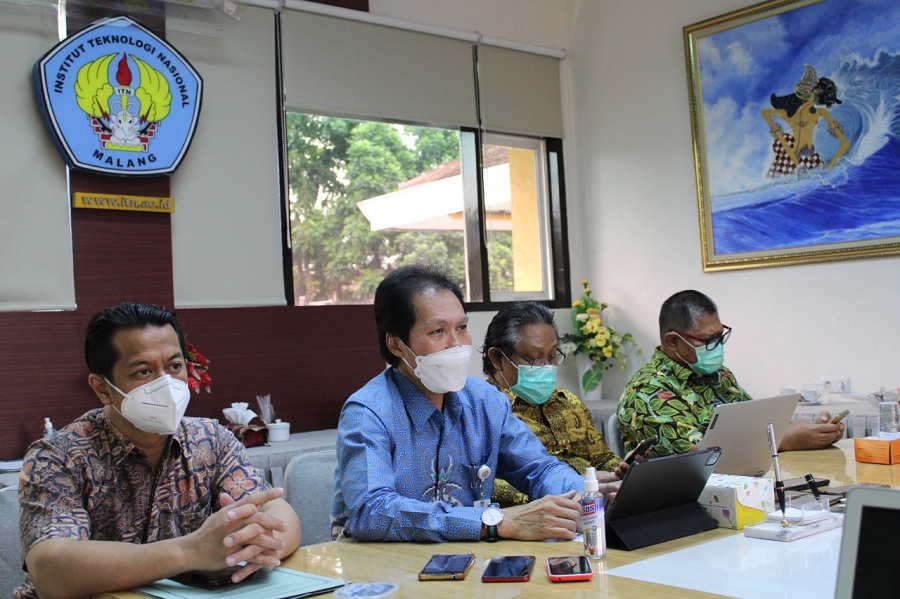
(366, 197)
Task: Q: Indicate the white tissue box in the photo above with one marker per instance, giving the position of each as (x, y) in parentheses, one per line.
(736, 501)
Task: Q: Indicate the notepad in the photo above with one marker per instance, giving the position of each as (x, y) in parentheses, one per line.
(280, 583)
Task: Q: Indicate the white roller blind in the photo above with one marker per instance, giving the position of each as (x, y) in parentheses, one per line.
(36, 265)
(520, 92)
(349, 68)
(226, 246)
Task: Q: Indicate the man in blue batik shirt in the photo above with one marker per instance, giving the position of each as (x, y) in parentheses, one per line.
(420, 444)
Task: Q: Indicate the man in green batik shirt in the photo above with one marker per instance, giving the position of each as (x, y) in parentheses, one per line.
(674, 396)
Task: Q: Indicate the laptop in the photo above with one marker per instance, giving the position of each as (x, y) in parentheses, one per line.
(867, 566)
(739, 428)
(657, 500)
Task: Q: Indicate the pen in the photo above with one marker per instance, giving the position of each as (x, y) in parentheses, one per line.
(779, 483)
(811, 481)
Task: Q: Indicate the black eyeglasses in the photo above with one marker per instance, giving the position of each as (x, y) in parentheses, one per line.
(554, 360)
(714, 341)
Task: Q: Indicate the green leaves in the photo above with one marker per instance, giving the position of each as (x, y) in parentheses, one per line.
(592, 377)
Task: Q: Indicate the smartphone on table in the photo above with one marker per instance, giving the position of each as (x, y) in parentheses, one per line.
(569, 568)
(642, 448)
(509, 568)
(447, 567)
(210, 579)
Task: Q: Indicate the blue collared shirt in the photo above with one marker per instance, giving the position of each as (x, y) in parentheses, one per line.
(409, 472)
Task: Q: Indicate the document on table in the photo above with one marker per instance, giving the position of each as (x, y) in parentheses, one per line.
(740, 567)
(280, 583)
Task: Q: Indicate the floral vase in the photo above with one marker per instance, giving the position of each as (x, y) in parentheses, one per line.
(584, 363)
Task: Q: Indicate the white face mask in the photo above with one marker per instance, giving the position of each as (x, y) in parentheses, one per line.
(157, 406)
(443, 371)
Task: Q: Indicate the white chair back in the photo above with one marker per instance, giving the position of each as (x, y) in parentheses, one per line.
(308, 483)
(612, 436)
(11, 574)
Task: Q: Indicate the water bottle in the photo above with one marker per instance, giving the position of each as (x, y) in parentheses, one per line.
(49, 431)
(888, 416)
(593, 517)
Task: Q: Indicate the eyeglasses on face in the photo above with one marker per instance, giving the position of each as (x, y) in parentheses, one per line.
(554, 360)
(711, 342)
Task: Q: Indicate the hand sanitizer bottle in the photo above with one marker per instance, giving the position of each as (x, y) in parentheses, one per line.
(49, 431)
(593, 520)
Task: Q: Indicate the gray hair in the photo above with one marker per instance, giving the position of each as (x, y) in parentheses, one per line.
(504, 330)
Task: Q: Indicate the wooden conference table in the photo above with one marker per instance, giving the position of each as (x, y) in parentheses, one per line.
(399, 563)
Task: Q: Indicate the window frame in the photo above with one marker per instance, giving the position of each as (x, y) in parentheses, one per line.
(551, 196)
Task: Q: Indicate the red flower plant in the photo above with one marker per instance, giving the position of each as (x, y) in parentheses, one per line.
(197, 366)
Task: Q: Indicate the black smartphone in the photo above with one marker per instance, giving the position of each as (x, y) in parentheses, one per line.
(447, 567)
(509, 568)
(642, 448)
(210, 579)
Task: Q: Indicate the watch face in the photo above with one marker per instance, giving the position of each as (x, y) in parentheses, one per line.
(492, 516)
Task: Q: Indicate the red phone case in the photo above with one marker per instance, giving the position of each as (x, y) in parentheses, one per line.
(502, 574)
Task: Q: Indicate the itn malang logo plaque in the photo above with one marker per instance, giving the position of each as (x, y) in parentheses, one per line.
(118, 100)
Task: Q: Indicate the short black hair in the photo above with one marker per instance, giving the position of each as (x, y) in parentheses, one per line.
(504, 332)
(682, 311)
(394, 309)
(99, 351)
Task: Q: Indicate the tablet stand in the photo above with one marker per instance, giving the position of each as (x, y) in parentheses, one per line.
(650, 528)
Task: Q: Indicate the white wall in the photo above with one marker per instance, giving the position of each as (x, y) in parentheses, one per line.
(639, 225)
(634, 228)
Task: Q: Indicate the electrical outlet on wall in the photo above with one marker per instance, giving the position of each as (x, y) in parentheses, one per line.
(836, 384)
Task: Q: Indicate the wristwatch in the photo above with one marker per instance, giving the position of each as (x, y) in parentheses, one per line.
(491, 517)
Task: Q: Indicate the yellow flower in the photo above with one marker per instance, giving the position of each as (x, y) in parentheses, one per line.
(602, 335)
(590, 334)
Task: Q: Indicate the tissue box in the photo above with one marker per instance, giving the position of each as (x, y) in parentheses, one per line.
(736, 501)
(877, 450)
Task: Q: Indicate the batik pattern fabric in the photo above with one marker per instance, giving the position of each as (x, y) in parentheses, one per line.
(89, 481)
(783, 165)
(410, 472)
(566, 429)
(674, 403)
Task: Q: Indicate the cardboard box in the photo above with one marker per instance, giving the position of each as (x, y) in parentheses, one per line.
(877, 450)
(736, 501)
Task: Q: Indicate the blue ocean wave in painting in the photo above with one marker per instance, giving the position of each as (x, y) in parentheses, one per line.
(859, 199)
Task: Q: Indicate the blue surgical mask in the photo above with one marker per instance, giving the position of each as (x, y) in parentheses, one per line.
(708, 360)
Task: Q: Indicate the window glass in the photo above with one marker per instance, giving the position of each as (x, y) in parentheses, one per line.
(516, 222)
(366, 197)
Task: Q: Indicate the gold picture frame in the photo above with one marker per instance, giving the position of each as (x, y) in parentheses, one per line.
(770, 77)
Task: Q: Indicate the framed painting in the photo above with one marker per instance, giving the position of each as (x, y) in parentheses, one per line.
(795, 112)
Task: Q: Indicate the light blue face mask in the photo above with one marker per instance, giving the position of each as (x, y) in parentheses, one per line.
(535, 384)
(708, 360)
